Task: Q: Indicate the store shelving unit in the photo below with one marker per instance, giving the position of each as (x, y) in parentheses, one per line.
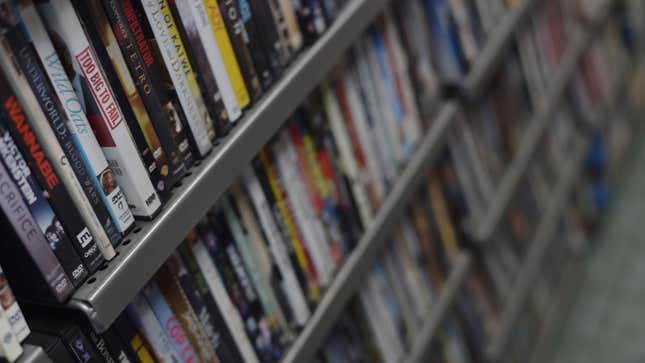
(439, 310)
(539, 245)
(33, 354)
(108, 292)
(483, 229)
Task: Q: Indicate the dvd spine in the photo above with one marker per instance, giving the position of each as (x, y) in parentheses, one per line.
(175, 294)
(195, 51)
(146, 322)
(281, 28)
(314, 238)
(231, 64)
(218, 290)
(293, 279)
(168, 319)
(239, 37)
(36, 201)
(141, 61)
(265, 336)
(211, 318)
(255, 45)
(44, 133)
(44, 171)
(10, 348)
(32, 239)
(259, 269)
(109, 126)
(46, 97)
(199, 122)
(194, 13)
(11, 308)
(268, 36)
(79, 126)
(128, 334)
(100, 35)
(293, 29)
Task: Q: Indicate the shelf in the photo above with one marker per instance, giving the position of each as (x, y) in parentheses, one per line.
(350, 276)
(33, 354)
(108, 292)
(543, 238)
(439, 310)
(483, 229)
(493, 53)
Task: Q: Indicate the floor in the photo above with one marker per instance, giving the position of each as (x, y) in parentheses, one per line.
(606, 320)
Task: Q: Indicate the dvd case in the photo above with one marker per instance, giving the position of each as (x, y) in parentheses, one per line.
(109, 123)
(32, 70)
(146, 140)
(240, 38)
(10, 348)
(30, 253)
(24, 110)
(78, 123)
(231, 64)
(48, 223)
(178, 65)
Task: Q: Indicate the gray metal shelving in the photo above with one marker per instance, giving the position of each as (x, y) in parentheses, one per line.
(107, 293)
(482, 229)
(349, 277)
(539, 245)
(439, 310)
(33, 354)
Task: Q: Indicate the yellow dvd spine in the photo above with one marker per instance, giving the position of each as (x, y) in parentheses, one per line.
(290, 226)
(440, 211)
(228, 54)
(171, 25)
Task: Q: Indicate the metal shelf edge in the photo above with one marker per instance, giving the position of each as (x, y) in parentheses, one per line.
(439, 310)
(107, 293)
(539, 245)
(349, 276)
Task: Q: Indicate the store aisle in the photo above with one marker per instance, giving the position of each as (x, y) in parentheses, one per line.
(606, 321)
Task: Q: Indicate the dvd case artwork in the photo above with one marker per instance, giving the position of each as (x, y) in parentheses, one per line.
(448, 55)
(32, 242)
(146, 140)
(231, 64)
(169, 322)
(257, 263)
(231, 13)
(210, 316)
(201, 131)
(12, 310)
(146, 322)
(311, 19)
(53, 347)
(14, 119)
(173, 291)
(255, 45)
(24, 109)
(264, 336)
(294, 35)
(135, 36)
(132, 339)
(218, 290)
(48, 223)
(205, 49)
(50, 105)
(108, 123)
(119, 351)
